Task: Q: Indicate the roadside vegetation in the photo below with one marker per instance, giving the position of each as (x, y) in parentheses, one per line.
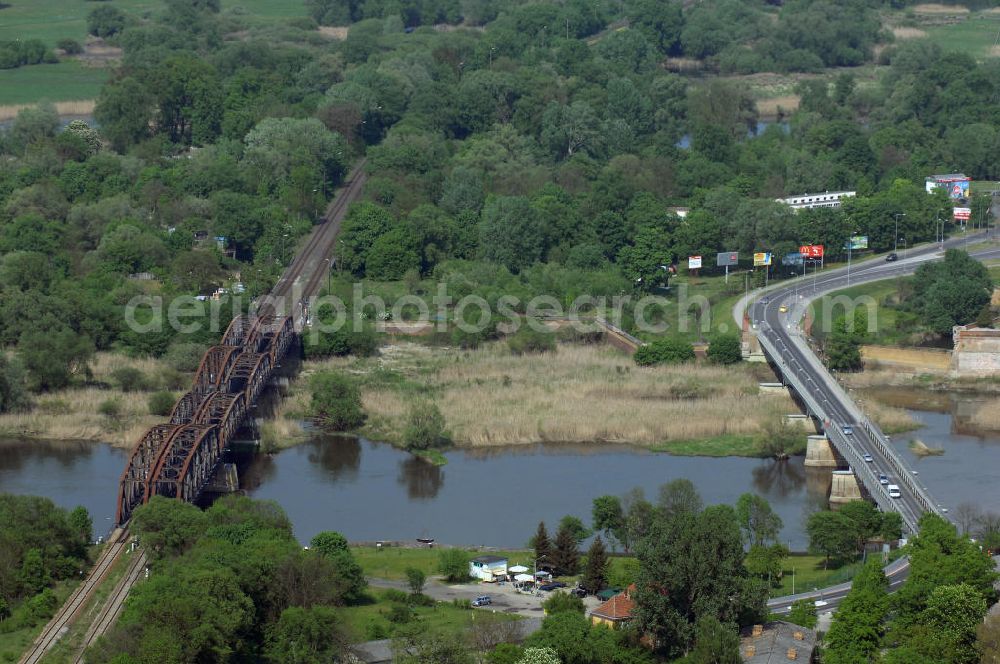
(45, 550)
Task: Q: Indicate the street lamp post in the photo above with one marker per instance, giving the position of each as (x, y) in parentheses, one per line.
(895, 233)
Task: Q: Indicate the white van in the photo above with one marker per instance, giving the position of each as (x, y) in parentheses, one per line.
(894, 491)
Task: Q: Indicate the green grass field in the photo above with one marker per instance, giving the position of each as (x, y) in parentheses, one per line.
(976, 36)
(363, 622)
(64, 81)
(51, 20)
(391, 562)
(809, 574)
(886, 318)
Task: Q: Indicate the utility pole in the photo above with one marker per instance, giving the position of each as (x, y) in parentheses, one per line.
(895, 234)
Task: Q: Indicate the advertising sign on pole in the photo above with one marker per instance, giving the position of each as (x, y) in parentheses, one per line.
(761, 258)
(795, 258)
(859, 242)
(962, 214)
(694, 262)
(727, 258)
(811, 250)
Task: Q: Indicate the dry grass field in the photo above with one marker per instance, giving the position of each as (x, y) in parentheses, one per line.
(578, 394)
(74, 413)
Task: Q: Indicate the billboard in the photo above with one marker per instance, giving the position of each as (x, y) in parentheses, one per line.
(956, 185)
(858, 242)
(811, 250)
(727, 258)
(795, 258)
(694, 262)
(962, 214)
(762, 258)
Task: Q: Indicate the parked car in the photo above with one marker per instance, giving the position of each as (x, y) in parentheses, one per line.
(578, 592)
(868, 458)
(891, 257)
(482, 600)
(552, 586)
(883, 479)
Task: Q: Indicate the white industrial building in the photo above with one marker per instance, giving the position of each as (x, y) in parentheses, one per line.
(828, 199)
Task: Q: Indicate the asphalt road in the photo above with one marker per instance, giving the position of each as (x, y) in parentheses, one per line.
(803, 369)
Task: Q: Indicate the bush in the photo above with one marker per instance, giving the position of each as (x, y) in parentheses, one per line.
(400, 614)
(344, 341)
(41, 607)
(336, 401)
(725, 349)
(105, 21)
(669, 350)
(528, 340)
(110, 408)
(185, 356)
(161, 403)
(394, 595)
(425, 427)
(453, 565)
(129, 379)
(69, 46)
(562, 602)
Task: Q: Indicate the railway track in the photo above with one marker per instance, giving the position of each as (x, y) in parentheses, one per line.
(114, 604)
(71, 608)
(318, 248)
(306, 264)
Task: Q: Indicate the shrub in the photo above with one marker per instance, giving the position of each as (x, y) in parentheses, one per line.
(529, 340)
(105, 21)
(453, 565)
(415, 578)
(41, 607)
(110, 408)
(400, 614)
(394, 595)
(725, 349)
(336, 401)
(425, 427)
(69, 46)
(185, 356)
(668, 350)
(161, 403)
(343, 341)
(129, 379)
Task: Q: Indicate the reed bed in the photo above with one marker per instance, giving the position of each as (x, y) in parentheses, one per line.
(75, 413)
(578, 394)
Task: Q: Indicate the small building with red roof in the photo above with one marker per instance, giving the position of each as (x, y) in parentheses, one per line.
(616, 611)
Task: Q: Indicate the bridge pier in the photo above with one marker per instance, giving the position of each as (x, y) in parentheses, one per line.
(803, 422)
(844, 487)
(819, 452)
(772, 388)
(225, 479)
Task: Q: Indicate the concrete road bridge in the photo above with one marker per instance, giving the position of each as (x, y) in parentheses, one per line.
(850, 432)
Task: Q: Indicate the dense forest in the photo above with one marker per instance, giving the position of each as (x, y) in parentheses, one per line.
(527, 148)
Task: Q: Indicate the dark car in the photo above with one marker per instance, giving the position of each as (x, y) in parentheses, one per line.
(578, 592)
(552, 586)
(891, 257)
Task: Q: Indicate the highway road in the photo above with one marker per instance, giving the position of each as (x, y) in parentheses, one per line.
(825, 399)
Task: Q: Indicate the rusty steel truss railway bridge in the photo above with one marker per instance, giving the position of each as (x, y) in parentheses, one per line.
(177, 459)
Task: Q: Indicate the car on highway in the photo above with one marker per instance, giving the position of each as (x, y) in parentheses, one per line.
(552, 586)
(482, 600)
(783, 308)
(868, 458)
(892, 257)
(848, 430)
(883, 479)
(894, 491)
(764, 300)
(820, 602)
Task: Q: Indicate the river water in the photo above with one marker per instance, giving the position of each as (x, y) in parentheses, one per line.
(496, 496)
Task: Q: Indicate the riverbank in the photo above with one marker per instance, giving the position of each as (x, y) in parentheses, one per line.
(100, 410)
(580, 393)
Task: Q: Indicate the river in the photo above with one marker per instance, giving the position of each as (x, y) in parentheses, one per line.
(495, 496)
